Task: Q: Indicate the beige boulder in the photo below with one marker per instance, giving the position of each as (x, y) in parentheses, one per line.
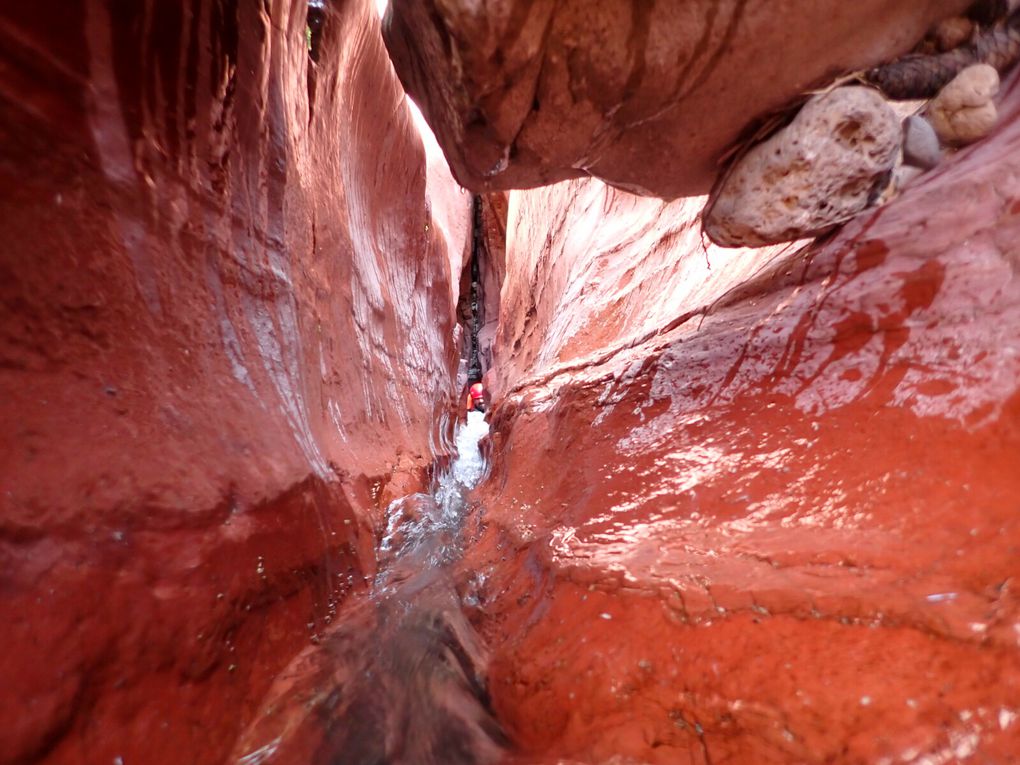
(964, 110)
(821, 170)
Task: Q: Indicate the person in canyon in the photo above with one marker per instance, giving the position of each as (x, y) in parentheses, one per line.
(476, 398)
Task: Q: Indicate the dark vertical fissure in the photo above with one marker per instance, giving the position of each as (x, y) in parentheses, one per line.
(474, 372)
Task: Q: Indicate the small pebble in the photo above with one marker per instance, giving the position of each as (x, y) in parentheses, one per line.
(920, 144)
(904, 174)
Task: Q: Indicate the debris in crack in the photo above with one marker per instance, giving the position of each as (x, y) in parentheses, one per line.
(964, 110)
(922, 76)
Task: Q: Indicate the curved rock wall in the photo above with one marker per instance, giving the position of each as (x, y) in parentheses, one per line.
(646, 96)
(210, 248)
(782, 529)
(597, 270)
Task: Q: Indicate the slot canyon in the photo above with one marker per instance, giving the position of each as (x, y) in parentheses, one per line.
(745, 504)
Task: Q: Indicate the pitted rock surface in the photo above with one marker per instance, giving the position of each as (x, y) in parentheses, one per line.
(820, 170)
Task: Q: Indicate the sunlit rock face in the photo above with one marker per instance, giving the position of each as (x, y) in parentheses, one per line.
(593, 270)
(646, 96)
(211, 248)
(759, 506)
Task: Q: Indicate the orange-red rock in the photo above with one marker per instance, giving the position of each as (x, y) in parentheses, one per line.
(210, 249)
(646, 96)
(759, 506)
(747, 506)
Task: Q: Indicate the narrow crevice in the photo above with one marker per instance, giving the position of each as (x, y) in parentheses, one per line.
(475, 370)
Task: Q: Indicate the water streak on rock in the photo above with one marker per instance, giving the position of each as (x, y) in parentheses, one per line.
(401, 678)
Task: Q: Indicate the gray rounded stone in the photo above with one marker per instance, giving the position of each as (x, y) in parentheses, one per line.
(920, 144)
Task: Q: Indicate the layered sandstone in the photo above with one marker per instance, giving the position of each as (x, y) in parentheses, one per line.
(212, 246)
(759, 506)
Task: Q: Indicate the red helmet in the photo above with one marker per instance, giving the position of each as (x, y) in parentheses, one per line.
(477, 391)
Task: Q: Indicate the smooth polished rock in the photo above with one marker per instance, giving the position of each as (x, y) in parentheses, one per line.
(758, 505)
(920, 143)
(210, 254)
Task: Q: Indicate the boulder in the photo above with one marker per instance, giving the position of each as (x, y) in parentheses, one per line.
(820, 170)
(964, 110)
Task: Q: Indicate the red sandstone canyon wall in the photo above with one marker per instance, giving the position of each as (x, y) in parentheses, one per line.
(210, 247)
(646, 96)
(748, 505)
(759, 506)
(595, 270)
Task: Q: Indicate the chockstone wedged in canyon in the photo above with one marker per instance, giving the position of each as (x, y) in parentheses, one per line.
(748, 505)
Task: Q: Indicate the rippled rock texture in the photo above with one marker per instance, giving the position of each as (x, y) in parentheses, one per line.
(646, 96)
(759, 505)
(211, 247)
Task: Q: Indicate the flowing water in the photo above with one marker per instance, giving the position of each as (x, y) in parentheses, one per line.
(400, 680)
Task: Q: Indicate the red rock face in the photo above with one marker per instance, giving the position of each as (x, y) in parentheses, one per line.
(644, 96)
(210, 248)
(759, 506)
(492, 269)
(596, 271)
(747, 505)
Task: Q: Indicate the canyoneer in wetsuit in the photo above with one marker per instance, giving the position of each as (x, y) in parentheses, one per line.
(476, 398)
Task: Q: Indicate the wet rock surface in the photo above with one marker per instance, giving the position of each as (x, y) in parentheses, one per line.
(785, 529)
(599, 283)
(822, 169)
(209, 253)
(401, 677)
(645, 97)
(747, 504)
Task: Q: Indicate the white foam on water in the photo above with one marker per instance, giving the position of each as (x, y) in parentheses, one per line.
(465, 471)
(470, 465)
